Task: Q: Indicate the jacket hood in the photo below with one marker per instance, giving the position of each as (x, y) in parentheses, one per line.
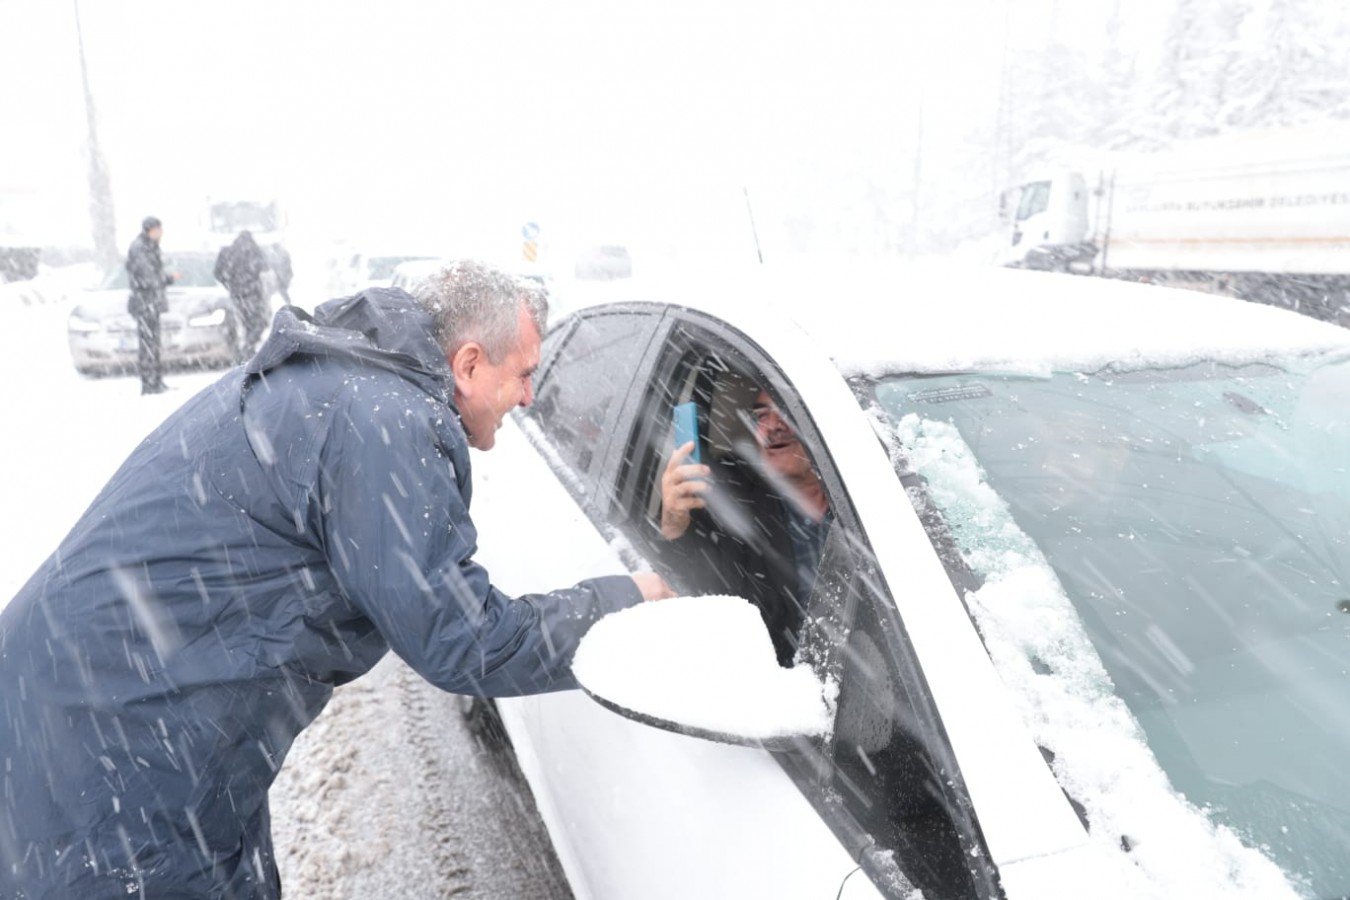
(383, 327)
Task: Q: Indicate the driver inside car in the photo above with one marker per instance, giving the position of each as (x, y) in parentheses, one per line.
(750, 524)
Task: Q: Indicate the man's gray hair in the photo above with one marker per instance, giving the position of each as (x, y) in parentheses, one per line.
(470, 301)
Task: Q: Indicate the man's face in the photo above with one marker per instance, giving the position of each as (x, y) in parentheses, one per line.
(777, 441)
(154, 233)
(486, 391)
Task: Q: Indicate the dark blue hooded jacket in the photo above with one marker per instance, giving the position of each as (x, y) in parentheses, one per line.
(272, 539)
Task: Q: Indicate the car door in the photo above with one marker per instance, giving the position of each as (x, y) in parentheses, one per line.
(886, 782)
(635, 811)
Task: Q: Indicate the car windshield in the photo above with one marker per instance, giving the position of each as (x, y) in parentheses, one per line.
(192, 269)
(1035, 199)
(1197, 520)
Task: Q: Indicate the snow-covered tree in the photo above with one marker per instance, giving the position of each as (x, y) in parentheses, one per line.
(1293, 64)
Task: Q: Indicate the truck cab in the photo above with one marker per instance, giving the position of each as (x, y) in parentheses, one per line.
(1050, 226)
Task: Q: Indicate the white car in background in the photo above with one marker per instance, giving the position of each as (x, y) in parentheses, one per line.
(362, 270)
(408, 274)
(1085, 598)
(200, 329)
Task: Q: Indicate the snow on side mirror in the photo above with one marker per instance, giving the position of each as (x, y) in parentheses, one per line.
(704, 667)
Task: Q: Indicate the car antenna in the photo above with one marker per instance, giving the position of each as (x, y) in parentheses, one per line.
(754, 231)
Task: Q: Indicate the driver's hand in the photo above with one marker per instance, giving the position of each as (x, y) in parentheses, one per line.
(652, 586)
(682, 488)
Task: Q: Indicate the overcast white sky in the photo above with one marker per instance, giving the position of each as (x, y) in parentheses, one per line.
(455, 122)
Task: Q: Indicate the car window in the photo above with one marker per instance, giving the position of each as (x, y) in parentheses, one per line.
(192, 270)
(887, 768)
(887, 780)
(589, 365)
(1035, 199)
(697, 367)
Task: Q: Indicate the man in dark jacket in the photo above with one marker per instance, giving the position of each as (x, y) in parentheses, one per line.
(280, 261)
(271, 540)
(240, 267)
(145, 273)
(749, 527)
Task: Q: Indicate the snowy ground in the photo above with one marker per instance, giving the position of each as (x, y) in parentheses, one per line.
(387, 794)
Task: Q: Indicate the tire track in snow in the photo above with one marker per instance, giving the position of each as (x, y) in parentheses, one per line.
(389, 795)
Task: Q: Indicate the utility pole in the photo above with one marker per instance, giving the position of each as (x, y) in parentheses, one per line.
(917, 208)
(101, 218)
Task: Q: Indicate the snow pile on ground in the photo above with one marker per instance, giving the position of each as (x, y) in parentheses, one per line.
(387, 796)
(702, 662)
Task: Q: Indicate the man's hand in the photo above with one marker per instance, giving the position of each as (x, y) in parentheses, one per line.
(653, 586)
(682, 489)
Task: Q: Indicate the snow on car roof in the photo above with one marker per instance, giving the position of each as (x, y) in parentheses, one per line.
(879, 317)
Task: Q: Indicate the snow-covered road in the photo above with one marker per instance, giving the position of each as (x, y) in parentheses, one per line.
(388, 795)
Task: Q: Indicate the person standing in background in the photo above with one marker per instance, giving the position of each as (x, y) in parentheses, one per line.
(280, 261)
(145, 273)
(240, 267)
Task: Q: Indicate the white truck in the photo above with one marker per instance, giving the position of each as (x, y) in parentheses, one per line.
(266, 220)
(226, 217)
(1264, 216)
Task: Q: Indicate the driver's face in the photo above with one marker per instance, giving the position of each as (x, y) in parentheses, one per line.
(778, 443)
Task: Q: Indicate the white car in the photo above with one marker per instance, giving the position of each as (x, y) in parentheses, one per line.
(199, 330)
(1085, 596)
(364, 270)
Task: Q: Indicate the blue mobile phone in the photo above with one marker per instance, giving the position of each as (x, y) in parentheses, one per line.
(686, 428)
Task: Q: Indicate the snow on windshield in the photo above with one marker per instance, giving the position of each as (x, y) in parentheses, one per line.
(1042, 652)
(704, 662)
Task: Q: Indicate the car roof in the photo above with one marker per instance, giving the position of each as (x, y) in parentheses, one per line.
(879, 317)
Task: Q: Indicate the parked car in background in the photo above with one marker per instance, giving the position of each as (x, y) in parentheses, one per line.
(363, 270)
(199, 330)
(1083, 598)
(408, 274)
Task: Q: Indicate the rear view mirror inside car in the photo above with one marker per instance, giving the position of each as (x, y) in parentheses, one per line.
(704, 667)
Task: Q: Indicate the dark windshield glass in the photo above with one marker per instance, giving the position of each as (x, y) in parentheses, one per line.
(1199, 521)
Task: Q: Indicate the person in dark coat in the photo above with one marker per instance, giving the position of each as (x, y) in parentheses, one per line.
(280, 261)
(748, 527)
(271, 540)
(240, 267)
(145, 273)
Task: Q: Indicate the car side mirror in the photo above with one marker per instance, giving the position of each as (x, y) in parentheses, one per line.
(703, 667)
